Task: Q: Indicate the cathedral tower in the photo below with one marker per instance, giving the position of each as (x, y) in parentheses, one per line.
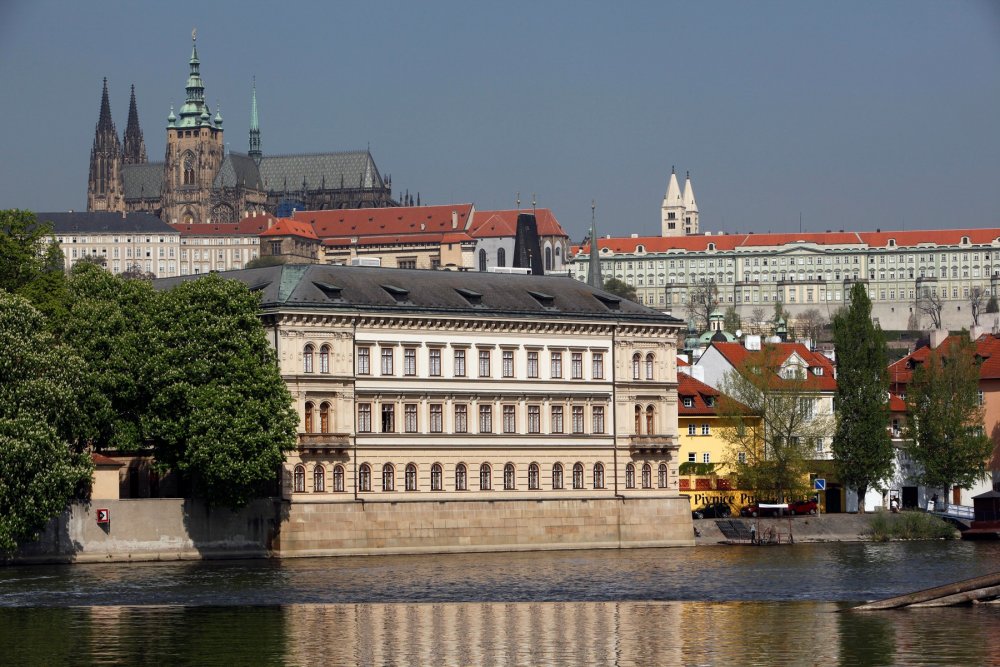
(104, 187)
(134, 150)
(690, 207)
(194, 152)
(672, 211)
(254, 151)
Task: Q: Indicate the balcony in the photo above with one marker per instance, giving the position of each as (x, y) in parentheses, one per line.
(653, 444)
(324, 443)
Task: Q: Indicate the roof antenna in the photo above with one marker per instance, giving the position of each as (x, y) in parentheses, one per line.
(518, 201)
(532, 203)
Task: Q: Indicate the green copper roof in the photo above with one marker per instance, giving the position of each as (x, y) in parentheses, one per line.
(194, 112)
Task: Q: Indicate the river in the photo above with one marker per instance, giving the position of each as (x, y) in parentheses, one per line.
(708, 605)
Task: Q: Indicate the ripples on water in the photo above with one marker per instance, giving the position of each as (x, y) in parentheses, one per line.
(635, 607)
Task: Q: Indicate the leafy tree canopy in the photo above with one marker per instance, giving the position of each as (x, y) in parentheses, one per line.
(620, 288)
(266, 261)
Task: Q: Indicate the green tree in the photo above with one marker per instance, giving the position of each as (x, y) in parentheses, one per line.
(862, 449)
(703, 301)
(944, 418)
(265, 261)
(991, 305)
(732, 322)
(220, 413)
(41, 424)
(770, 425)
(619, 288)
(27, 249)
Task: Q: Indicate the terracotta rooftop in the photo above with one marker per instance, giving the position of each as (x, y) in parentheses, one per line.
(489, 224)
(987, 349)
(737, 355)
(250, 226)
(393, 221)
(690, 390)
(290, 227)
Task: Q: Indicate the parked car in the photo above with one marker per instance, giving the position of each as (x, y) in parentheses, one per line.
(713, 510)
(756, 510)
(803, 507)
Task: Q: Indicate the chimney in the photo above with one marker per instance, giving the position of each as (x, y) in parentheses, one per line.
(454, 219)
(975, 332)
(937, 337)
(270, 222)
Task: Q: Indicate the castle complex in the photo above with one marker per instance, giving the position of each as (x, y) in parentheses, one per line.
(200, 182)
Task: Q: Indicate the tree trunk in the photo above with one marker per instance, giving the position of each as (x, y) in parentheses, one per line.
(862, 492)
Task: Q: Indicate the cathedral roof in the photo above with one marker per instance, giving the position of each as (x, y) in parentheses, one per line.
(486, 224)
(320, 170)
(143, 181)
(104, 222)
(238, 170)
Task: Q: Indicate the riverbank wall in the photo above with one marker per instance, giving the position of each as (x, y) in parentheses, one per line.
(177, 529)
(823, 528)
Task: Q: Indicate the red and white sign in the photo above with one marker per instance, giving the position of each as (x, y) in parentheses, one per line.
(103, 516)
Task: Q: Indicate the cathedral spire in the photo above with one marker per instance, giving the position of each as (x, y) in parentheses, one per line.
(594, 278)
(194, 111)
(254, 151)
(134, 150)
(104, 186)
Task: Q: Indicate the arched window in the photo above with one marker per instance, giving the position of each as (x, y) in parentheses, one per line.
(629, 476)
(482, 260)
(649, 366)
(647, 476)
(557, 476)
(636, 363)
(309, 418)
(650, 419)
(338, 478)
(319, 479)
(485, 477)
(365, 477)
(501, 257)
(188, 169)
(437, 483)
(324, 418)
(460, 477)
(388, 478)
(324, 359)
(411, 477)
(638, 420)
(661, 477)
(299, 479)
(307, 359)
(533, 477)
(578, 476)
(509, 477)
(598, 475)
(548, 258)
(558, 255)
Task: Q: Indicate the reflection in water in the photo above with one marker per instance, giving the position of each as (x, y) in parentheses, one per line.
(591, 633)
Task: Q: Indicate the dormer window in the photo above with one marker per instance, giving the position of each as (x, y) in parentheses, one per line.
(711, 246)
(965, 240)
(817, 370)
(892, 243)
(400, 294)
(688, 402)
(710, 401)
(545, 300)
(640, 249)
(474, 298)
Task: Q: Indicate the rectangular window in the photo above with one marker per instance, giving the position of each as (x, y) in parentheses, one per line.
(534, 419)
(388, 418)
(484, 363)
(461, 418)
(364, 361)
(706, 458)
(705, 429)
(409, 361)
(598, 420)
(364, 417)
(410, 417)
(692, 429)
(508, 363)
(532, 364)
(485, 418)
(576, 366)
(434, 362)
(557, 419)
(387, 361)
(692, 457)
(577, 419)
(459, 363)
(741, 457)
(437, 418)
(509, 421)
(598, 365)
(557, 364)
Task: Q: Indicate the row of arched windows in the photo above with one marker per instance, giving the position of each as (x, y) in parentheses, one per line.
(461, 477)
(325, 417)
(308, 359)
(645, 417)
(638, 366)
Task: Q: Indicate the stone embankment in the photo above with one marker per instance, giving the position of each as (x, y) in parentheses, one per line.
(823, 528)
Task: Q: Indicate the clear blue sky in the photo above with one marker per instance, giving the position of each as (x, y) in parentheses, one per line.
(855, 114)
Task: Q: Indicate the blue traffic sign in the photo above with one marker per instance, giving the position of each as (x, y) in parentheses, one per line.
(819, 484)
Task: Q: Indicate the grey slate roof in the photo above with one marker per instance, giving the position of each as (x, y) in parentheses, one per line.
(238, 170)
(355, 168)
(103, 222)
(143, 180)
(367, 289)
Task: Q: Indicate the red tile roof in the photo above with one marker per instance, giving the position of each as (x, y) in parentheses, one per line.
(728, 242)
(698, 392)
(289, 227)
(407, 239)
(987, 349)
(490, 224)
(896, 404)
(102, 460)
(737, 355)
(251, 226)
(394, 221)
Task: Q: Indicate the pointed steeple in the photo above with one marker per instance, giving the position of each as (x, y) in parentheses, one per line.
(672, 211)
(673, 196)
(195, 111)
(689, 203)
(254, 151)
(594, 278)
(104, 185)
(134, 150)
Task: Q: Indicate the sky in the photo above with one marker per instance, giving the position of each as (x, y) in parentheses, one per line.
(846, 115)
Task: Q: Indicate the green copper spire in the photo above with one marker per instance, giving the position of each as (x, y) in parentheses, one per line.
(594, 278)
(194, 111)
(254, 151)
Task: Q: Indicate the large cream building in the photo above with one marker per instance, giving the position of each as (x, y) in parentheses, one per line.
(464, 410)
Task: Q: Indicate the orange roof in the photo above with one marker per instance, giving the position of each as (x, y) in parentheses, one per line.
(698, 394)
(896, 404)
(729, 242)
(490, 224)
(289, 227)
(102, 460)
(251, 225)
(393, 221)
(987, 349)
(737, 355)
(405, 239)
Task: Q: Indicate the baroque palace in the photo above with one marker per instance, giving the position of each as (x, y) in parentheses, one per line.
(200, 182)
(471, 411)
